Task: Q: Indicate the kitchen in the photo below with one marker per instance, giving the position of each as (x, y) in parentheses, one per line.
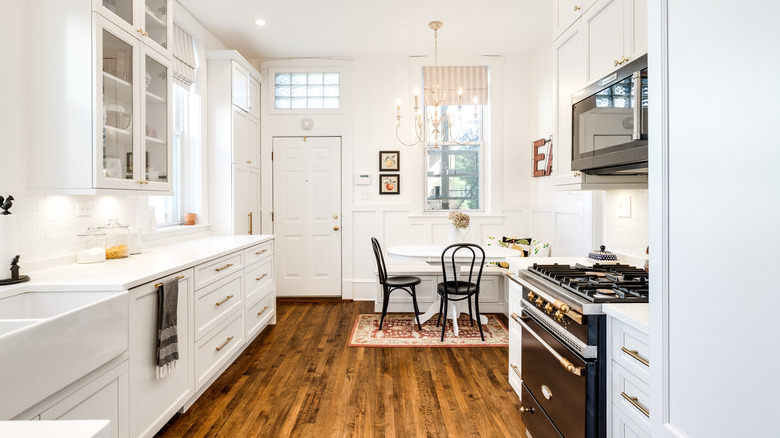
(690, 154)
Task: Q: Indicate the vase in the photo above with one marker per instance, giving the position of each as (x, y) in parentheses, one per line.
(456, 235)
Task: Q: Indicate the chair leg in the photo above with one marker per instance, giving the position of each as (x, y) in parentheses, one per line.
(441, 309)
(479, 321)
(444, 323)
(384, 309)
(416, 309)
(471, 317)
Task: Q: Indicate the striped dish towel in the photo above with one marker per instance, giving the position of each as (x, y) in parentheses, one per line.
(167, 337)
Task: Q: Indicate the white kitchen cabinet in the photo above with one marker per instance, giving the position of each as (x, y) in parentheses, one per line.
(153, 402)
(515, 335)
(104, 398)
(628, 370)
(566, 13)
(108, 111)
(149, 20)
(234, 143)
(616, 32)
(259, 289)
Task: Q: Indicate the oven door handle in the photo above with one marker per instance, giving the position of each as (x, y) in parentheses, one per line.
(637, 80)
(565, 363)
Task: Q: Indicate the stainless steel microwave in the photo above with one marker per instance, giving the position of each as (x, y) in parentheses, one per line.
(609, 123)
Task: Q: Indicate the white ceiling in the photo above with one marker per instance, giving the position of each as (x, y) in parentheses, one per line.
(356, 28)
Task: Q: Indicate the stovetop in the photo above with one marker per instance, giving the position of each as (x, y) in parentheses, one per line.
(598, 283)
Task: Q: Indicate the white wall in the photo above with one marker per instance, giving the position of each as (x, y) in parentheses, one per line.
(623, 234)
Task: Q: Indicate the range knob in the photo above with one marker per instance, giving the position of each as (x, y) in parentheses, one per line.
(548, 307)
(539, 301)
(559, 315)
(531, 296)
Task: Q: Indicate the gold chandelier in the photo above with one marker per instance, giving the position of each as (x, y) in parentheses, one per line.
(434, 96)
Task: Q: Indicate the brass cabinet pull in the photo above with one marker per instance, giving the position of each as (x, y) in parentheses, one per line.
(248, 161)
(577, 8)
(250, 223)
(260, 252)
(224, 267)
(565, 363)
(223, 301)
(516, 370)
(262, 311)
(635, 401)
(176, 278)
(261, 277)
(140, 30)
(635, 355)
(225, 343)
(524, 410)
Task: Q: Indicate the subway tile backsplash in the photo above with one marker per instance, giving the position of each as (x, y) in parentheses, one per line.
(626, 235)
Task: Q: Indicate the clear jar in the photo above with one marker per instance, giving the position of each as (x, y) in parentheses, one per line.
(136, 239)
(91, 247)
(117, 237)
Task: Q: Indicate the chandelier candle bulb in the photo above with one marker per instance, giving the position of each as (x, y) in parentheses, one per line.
(460, 97)
(416, 95)
(398, 108)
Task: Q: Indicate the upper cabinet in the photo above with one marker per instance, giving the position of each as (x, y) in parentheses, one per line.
(149, 20)
(603, 35)
(616, 33)
(107, 114)
(566, 12)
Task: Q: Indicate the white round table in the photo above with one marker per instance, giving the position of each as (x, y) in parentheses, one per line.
(432, 255)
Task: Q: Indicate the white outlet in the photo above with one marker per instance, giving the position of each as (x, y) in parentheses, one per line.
(624, 206)
(365, 195)
(85, 210)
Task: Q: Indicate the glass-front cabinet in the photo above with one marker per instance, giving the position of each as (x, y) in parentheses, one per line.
(133, 146)
(149, 19)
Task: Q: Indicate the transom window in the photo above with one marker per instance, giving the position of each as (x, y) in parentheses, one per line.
(308, 90)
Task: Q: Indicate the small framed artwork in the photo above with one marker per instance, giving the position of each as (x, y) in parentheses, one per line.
(389, 184)
(388, 161)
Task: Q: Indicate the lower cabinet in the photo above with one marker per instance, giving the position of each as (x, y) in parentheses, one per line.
(154, 401)
(215, 349)
(515, 331)
(259, 313)
(628, 390)
(104, 398)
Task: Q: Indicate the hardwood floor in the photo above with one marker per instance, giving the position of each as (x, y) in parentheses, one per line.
(300, 378)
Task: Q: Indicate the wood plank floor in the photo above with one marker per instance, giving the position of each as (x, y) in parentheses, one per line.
(300, 378)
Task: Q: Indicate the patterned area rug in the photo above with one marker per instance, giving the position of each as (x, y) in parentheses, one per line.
(400, 330)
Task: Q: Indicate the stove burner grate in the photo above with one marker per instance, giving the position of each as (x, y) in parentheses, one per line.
(600, 283)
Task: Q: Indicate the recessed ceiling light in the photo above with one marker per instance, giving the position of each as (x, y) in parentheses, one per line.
(260, 22)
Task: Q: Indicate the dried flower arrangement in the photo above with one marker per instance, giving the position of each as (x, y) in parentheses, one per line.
(459, 220)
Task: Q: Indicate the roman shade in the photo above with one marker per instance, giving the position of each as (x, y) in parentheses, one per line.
(472, 79)
(183, 58)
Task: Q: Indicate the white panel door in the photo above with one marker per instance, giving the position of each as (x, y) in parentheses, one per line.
(307, 215)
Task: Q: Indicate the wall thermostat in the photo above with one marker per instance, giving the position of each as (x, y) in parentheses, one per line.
(307, 124)
(362, 180)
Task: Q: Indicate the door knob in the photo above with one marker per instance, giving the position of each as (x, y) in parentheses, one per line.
(335, 228)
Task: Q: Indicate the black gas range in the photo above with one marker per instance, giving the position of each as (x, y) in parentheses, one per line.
(564, 343)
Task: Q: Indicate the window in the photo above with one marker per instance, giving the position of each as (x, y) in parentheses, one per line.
(454, 163)
(455, 157)
(307, 90)
(168, 209)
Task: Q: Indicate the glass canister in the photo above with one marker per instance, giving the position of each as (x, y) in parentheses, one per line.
(117, 237)
(91, 247)
(136, 239)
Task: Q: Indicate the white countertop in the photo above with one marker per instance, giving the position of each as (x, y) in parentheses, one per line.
(636, 315)
(59, 429)
(121, 274)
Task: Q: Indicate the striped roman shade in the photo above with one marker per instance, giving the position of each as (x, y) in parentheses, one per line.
(183, 58)
(473, 80)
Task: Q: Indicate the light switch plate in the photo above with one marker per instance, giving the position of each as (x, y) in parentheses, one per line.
(624, 206)
(85, 209)
(365, 195)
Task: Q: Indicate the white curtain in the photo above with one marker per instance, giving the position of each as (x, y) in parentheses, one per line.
(183, 58)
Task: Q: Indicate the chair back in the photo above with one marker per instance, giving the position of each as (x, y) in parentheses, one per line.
(380, 261)
(461, 255)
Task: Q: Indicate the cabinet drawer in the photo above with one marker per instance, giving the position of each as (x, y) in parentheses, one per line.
(258, 278)
(630, 348)
(216, 348)
(257, 315)
(623, 427)
(216, 302)
(258, 252)
(216, 269)
(623, 382)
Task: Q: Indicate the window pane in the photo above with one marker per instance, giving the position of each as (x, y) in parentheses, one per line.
(283, 102)
(298, 78)
(315, 91)
(298, 103)
(331, 78)
(331, 90)
(315, 78)
(311, 86)
(283, 78)
(298, 90)
(331, 103)
(315, 103)
(453, 177)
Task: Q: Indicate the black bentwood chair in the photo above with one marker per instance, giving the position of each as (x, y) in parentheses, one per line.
(389, 284)
(453, 289)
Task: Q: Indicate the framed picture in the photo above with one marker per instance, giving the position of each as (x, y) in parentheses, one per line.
(389, 184)
(388, 161)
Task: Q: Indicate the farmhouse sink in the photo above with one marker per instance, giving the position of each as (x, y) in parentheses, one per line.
(49, 340)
